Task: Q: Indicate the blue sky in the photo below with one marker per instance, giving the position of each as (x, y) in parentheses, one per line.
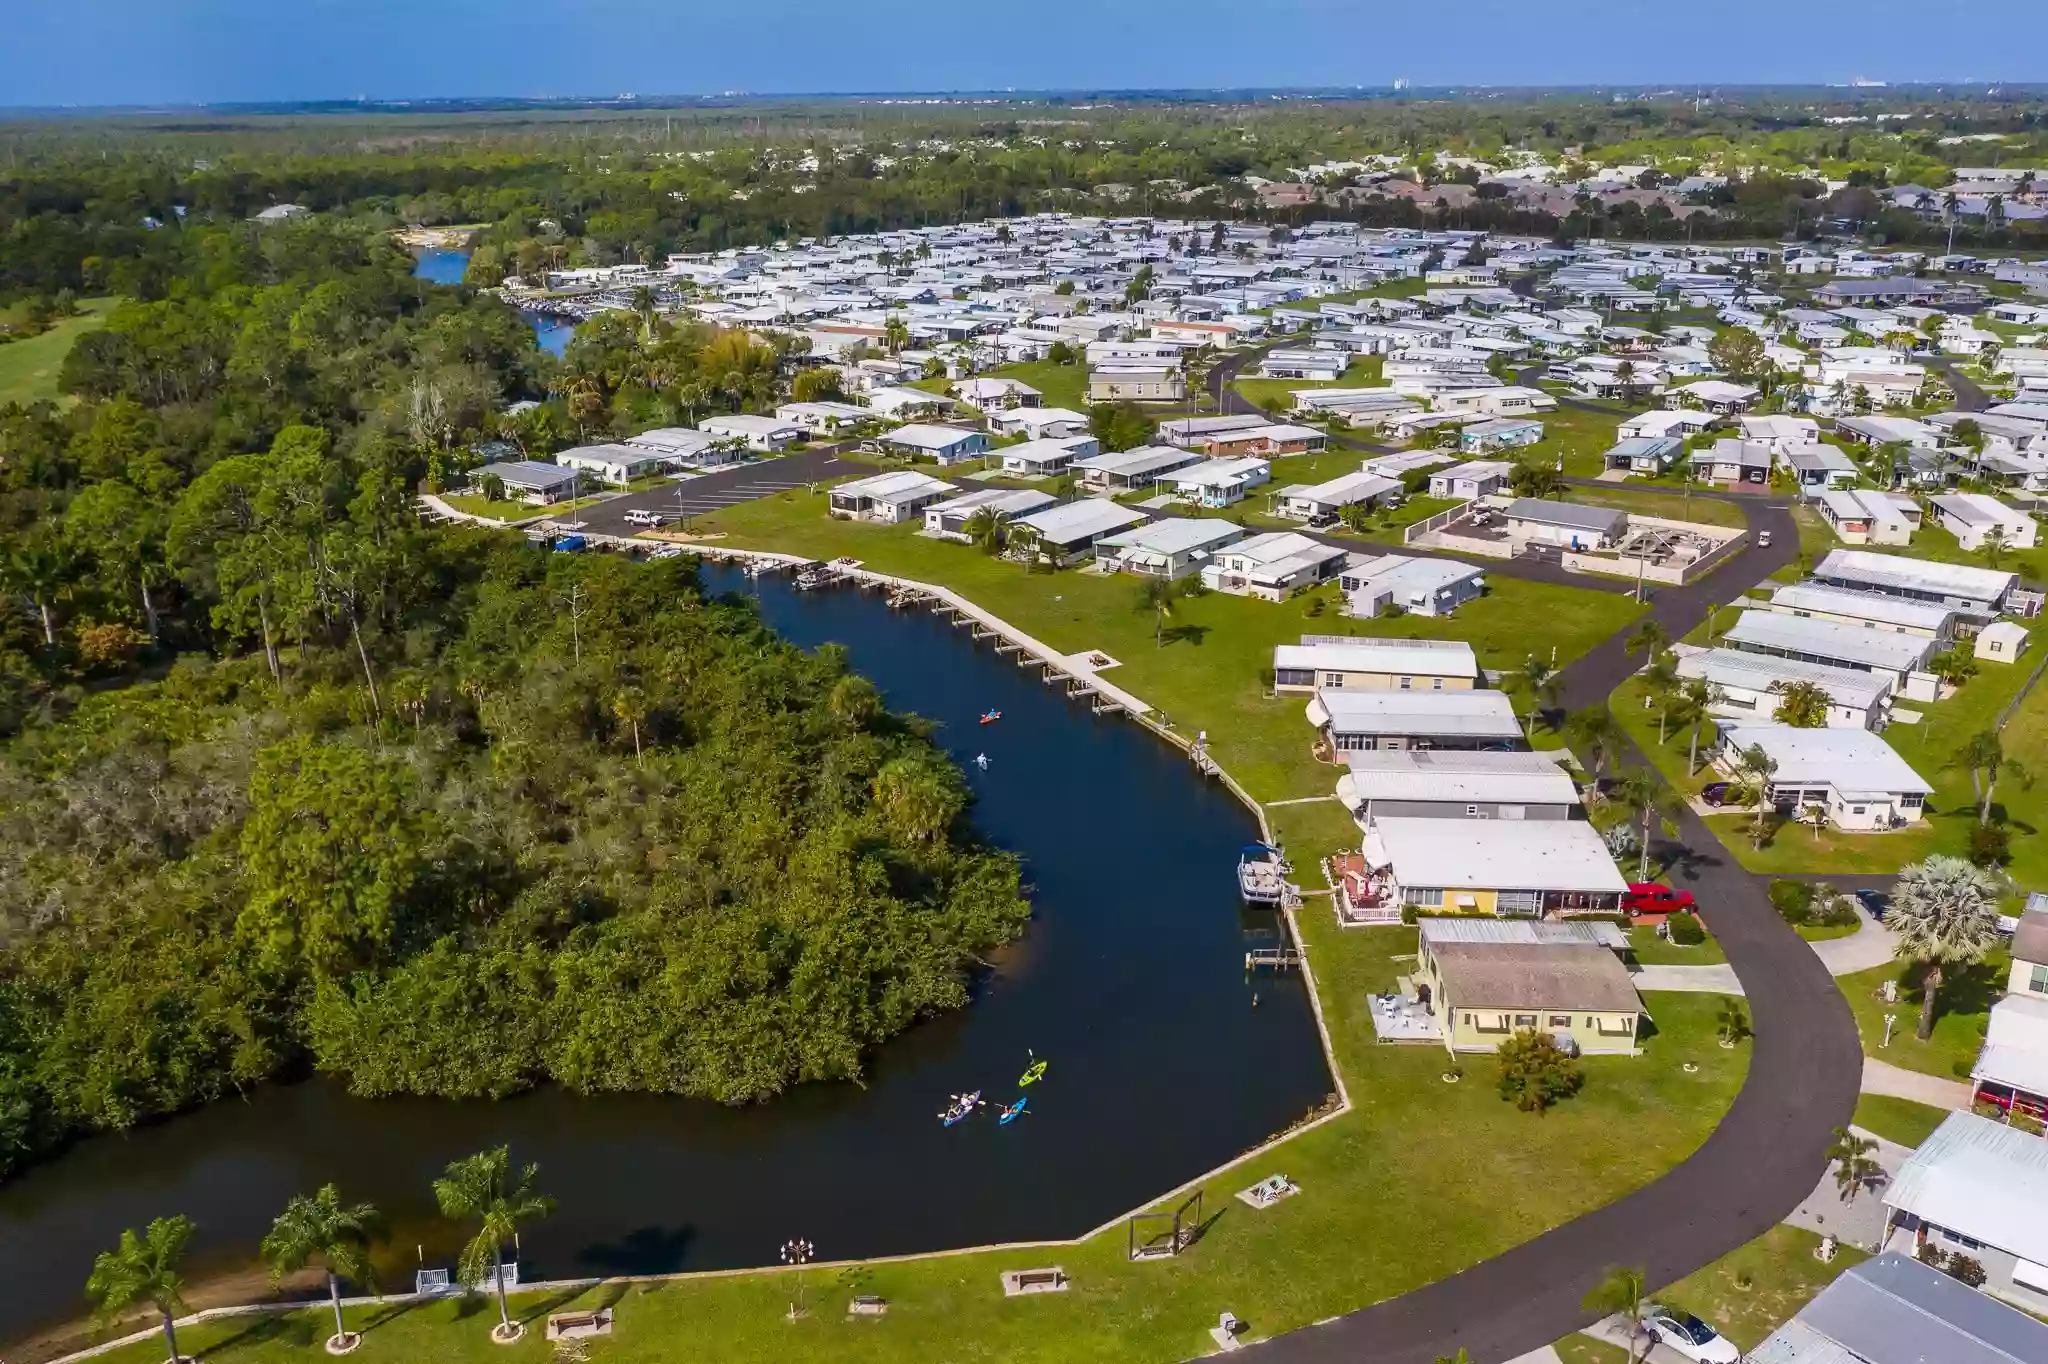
(57, 52)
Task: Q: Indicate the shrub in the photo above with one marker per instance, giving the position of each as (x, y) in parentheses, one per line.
(1964, 1270)
(1832, 909)
(1794, 900)
(1990, 845)
(1535, 1073)
(1686, 930)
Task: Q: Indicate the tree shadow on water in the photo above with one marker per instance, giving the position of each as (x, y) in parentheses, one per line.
(644, 1250)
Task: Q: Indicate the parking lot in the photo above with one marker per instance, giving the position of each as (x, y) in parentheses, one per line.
(719, 489)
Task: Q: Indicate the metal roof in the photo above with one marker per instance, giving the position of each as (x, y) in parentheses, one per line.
(1091, 517)
(1840, 601)
(1474, 714)
(1833, 641)
(1896, 572)
(1493, 854)
(1894, 1310)
(1570, 515)
(1427, 658)
(1850, 760)
(1982, 1179)
(1596, 932)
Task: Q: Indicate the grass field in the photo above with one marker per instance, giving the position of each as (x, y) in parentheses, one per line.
(1058, 385)
(1962, 1010)
(28, 369)
(1675, 506)
(1207, 674)
(1652, 950)
(1404, 1155)
(1899, 1120)
(1781, 1276)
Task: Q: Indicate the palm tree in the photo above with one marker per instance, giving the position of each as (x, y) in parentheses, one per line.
(1595, 730)
(484, 1189)
(1623, 1293)
(1993, 545)
(1943, 910)
(1542, 681)
(1158, 595)
(1649, 801)
(1697, 698)
(1754, 767)
(988, 530)
(338, 1236)
(895, 334)
(1802, 705)
(629, 707)
(1649, 638)
(1986, 759)
(144, 1269)
(1660, 682)
(1855, 1171)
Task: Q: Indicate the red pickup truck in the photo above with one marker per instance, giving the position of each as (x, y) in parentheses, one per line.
(1652, 901)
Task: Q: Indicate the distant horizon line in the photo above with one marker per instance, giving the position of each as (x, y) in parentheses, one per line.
(1677, 90)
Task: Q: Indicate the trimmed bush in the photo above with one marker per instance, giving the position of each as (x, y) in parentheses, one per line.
(1686, 930)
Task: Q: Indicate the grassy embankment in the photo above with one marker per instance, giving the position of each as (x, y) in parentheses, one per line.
(28, 368)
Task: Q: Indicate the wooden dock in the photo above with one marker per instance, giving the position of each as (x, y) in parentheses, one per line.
(1273, 959)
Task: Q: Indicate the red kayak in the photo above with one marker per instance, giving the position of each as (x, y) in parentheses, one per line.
(991, 717)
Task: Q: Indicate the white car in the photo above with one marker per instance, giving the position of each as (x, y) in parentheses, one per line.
(1691, 1337)
(1763, 539)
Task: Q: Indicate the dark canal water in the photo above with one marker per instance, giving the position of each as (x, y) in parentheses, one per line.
(1130, 983)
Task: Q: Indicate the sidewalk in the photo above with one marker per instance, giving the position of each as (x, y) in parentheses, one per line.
(1881, 1077)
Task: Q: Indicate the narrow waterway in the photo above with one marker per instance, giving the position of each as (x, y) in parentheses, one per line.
(442, 265)
(1165, 1060)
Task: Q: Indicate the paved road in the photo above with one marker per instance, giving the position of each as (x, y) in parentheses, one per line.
(721, 488)
(1764, 1158)
(1969, 397)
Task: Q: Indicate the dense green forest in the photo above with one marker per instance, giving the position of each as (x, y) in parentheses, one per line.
(290, 781)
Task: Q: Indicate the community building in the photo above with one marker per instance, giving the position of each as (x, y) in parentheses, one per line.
(529, 480)
(1567, 525)
(617, 465)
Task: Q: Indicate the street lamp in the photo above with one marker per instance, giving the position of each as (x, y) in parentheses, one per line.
(798, 1253)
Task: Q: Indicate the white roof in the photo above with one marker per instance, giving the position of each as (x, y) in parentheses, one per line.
(1897, 571)
(673, 440)
(1977, 509)
(1009, 501)
(1395, 657)
(1853, 761)
(1839, 601)
(1509, 778)
(1145, 459)
(747, 424)
(1216, 471)
(1475, 713)
(1342, 490)
(887, 487)
(1278, 545)
(1405, 575)
(2016, 1044)
(1478, 469)
(1520, 932)
(1494, 854)
(1835, 641)
(1175, 535)
(1044, 451)
(1756, 672)
(1088, 518)
(930, 436)
(1983, 1179)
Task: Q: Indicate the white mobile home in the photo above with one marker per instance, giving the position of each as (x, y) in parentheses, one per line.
(943, 444)
(1749, 686)
(1975, 519)
(1128, 470)
(1369, 721)
(1974, 592)
(760, 433)
(1219, 482)
(1853, 775)
(1047, 458)
(1067, 534)
(888, 497)
(1833, 644)
(1312, 501)
(1420, 587)
(1172, 549)
(1365, 664)
(1471, 480)
(1273, 566)
(1864, 516)
(949, 520)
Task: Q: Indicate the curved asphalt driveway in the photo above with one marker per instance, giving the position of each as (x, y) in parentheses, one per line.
(1760, 1163)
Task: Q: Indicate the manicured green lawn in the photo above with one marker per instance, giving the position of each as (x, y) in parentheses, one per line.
(1582, 437)
(1825, 932)
(1275, 395)
(1652, 950)
(1207, 674)
(1058, 385)
(28, 369)
(1963, 1007)
(512, 512)
(1781, 1276)
(1899, 1120)
(1674, 506)
(1411, 1144)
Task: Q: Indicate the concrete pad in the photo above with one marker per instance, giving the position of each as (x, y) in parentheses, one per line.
(1869, 947)
(1880, 1077)
(1705, 980)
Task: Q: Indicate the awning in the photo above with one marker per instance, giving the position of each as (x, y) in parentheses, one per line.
(2027, 1274)
(1318, 713)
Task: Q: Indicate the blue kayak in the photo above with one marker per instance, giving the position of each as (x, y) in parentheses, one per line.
(1014, 1110)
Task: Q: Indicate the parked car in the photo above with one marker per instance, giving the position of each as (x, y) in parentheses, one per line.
(1716, 792)
(1652, 897)
(644, 517)
(1763, 539)
(1691, 1337)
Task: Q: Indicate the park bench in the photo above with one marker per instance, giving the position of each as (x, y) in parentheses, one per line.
(1017, 1282)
